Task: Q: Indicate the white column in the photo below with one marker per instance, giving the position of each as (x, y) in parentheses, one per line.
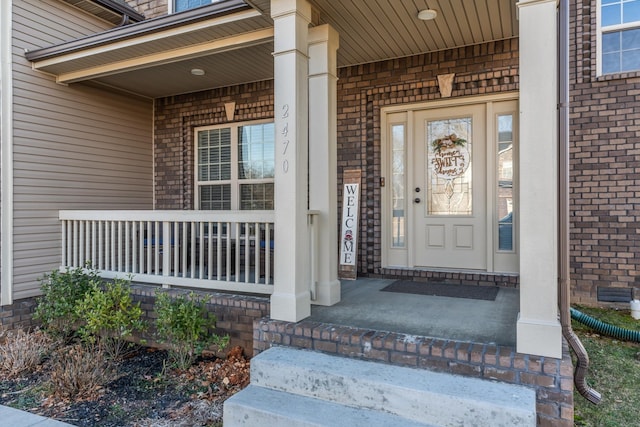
(323, 181)
(291, 298)
(539, 331)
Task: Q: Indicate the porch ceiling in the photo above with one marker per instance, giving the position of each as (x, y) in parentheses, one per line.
(232, 42)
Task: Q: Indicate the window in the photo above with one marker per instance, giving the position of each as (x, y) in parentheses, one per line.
(449, 168)
(504, 189)
(619, 36)
(398, 195)
(235, 167)
(182, 5)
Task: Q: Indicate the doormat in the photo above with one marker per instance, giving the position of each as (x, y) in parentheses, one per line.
(487, 293)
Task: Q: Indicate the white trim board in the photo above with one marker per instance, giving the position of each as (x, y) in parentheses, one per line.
(6, 153)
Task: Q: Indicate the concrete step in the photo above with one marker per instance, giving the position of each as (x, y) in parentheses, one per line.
(414, 394)
(258, 406)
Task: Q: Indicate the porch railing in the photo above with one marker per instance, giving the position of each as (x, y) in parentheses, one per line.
(229, 251)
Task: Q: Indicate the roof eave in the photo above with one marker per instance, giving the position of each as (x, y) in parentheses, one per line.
(146, 27)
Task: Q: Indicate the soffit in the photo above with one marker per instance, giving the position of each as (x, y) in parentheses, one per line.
(250, 64)
(374, 30)
(236, 47)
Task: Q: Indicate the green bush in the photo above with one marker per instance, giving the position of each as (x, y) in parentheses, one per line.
(61, 290)
(110, 317)
(184, 324)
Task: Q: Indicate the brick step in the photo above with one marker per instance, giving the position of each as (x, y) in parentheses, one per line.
(416, 395)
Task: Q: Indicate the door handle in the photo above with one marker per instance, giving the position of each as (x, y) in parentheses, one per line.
(416, 200)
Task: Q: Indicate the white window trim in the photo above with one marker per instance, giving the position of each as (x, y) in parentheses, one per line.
(609, 29)
(234, 181)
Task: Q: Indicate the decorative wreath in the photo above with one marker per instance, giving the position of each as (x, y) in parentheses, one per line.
(447, 141)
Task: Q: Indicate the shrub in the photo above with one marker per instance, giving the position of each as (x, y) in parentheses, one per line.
(80, 372)
(110, 317)
(184, 324)
(22, 351)
(61, 290)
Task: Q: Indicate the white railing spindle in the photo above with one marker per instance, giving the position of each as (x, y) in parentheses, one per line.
(134, 247)
(80, 243)
(93, 244)
(176, 253)
(267, 253)
(201, 251)
(63, 231)
(228, 251)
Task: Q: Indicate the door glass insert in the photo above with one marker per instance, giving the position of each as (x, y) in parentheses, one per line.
(398, 186)
(505, 182)
(449, 177)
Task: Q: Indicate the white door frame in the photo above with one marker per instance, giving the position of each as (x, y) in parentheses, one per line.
(403, 257)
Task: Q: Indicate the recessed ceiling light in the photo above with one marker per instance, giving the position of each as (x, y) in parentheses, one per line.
(427, 14)
(197, 71)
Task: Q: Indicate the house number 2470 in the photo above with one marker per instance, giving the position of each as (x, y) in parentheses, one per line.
(285, 140)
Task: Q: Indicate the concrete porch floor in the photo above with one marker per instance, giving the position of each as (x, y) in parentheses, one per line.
(364, 305)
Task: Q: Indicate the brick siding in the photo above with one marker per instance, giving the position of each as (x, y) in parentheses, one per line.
(362, 91)
(18, 315)
(605, 167)
(450, 277)
(175, 119)
(235, 314)
(551, 378)
(150, 8)
(605, 142)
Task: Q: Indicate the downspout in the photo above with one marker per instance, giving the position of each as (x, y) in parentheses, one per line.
(563, 216)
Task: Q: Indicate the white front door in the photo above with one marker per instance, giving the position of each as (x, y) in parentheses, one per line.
(448, 197)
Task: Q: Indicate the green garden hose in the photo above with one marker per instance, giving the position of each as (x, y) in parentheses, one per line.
(605, 328)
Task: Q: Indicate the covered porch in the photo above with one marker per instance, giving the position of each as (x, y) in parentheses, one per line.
(365, 304)
(233, 252)
(301, 45)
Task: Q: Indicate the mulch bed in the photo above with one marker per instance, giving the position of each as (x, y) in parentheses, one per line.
(146, 392)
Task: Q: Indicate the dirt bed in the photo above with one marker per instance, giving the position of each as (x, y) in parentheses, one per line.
(144, 392)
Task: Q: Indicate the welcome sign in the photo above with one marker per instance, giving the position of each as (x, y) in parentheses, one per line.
(349, 224)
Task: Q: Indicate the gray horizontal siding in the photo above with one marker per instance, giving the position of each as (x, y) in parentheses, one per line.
(75, 147)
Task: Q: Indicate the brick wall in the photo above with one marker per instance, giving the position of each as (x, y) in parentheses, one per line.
(551, 378)
(18, 315)
(175, 119)
(505, 280)
(150, 8)
(605, 142)
(235, 313)
(605, 167)
(364, 89)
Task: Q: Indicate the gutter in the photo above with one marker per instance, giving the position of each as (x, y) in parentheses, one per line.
(582, 364)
